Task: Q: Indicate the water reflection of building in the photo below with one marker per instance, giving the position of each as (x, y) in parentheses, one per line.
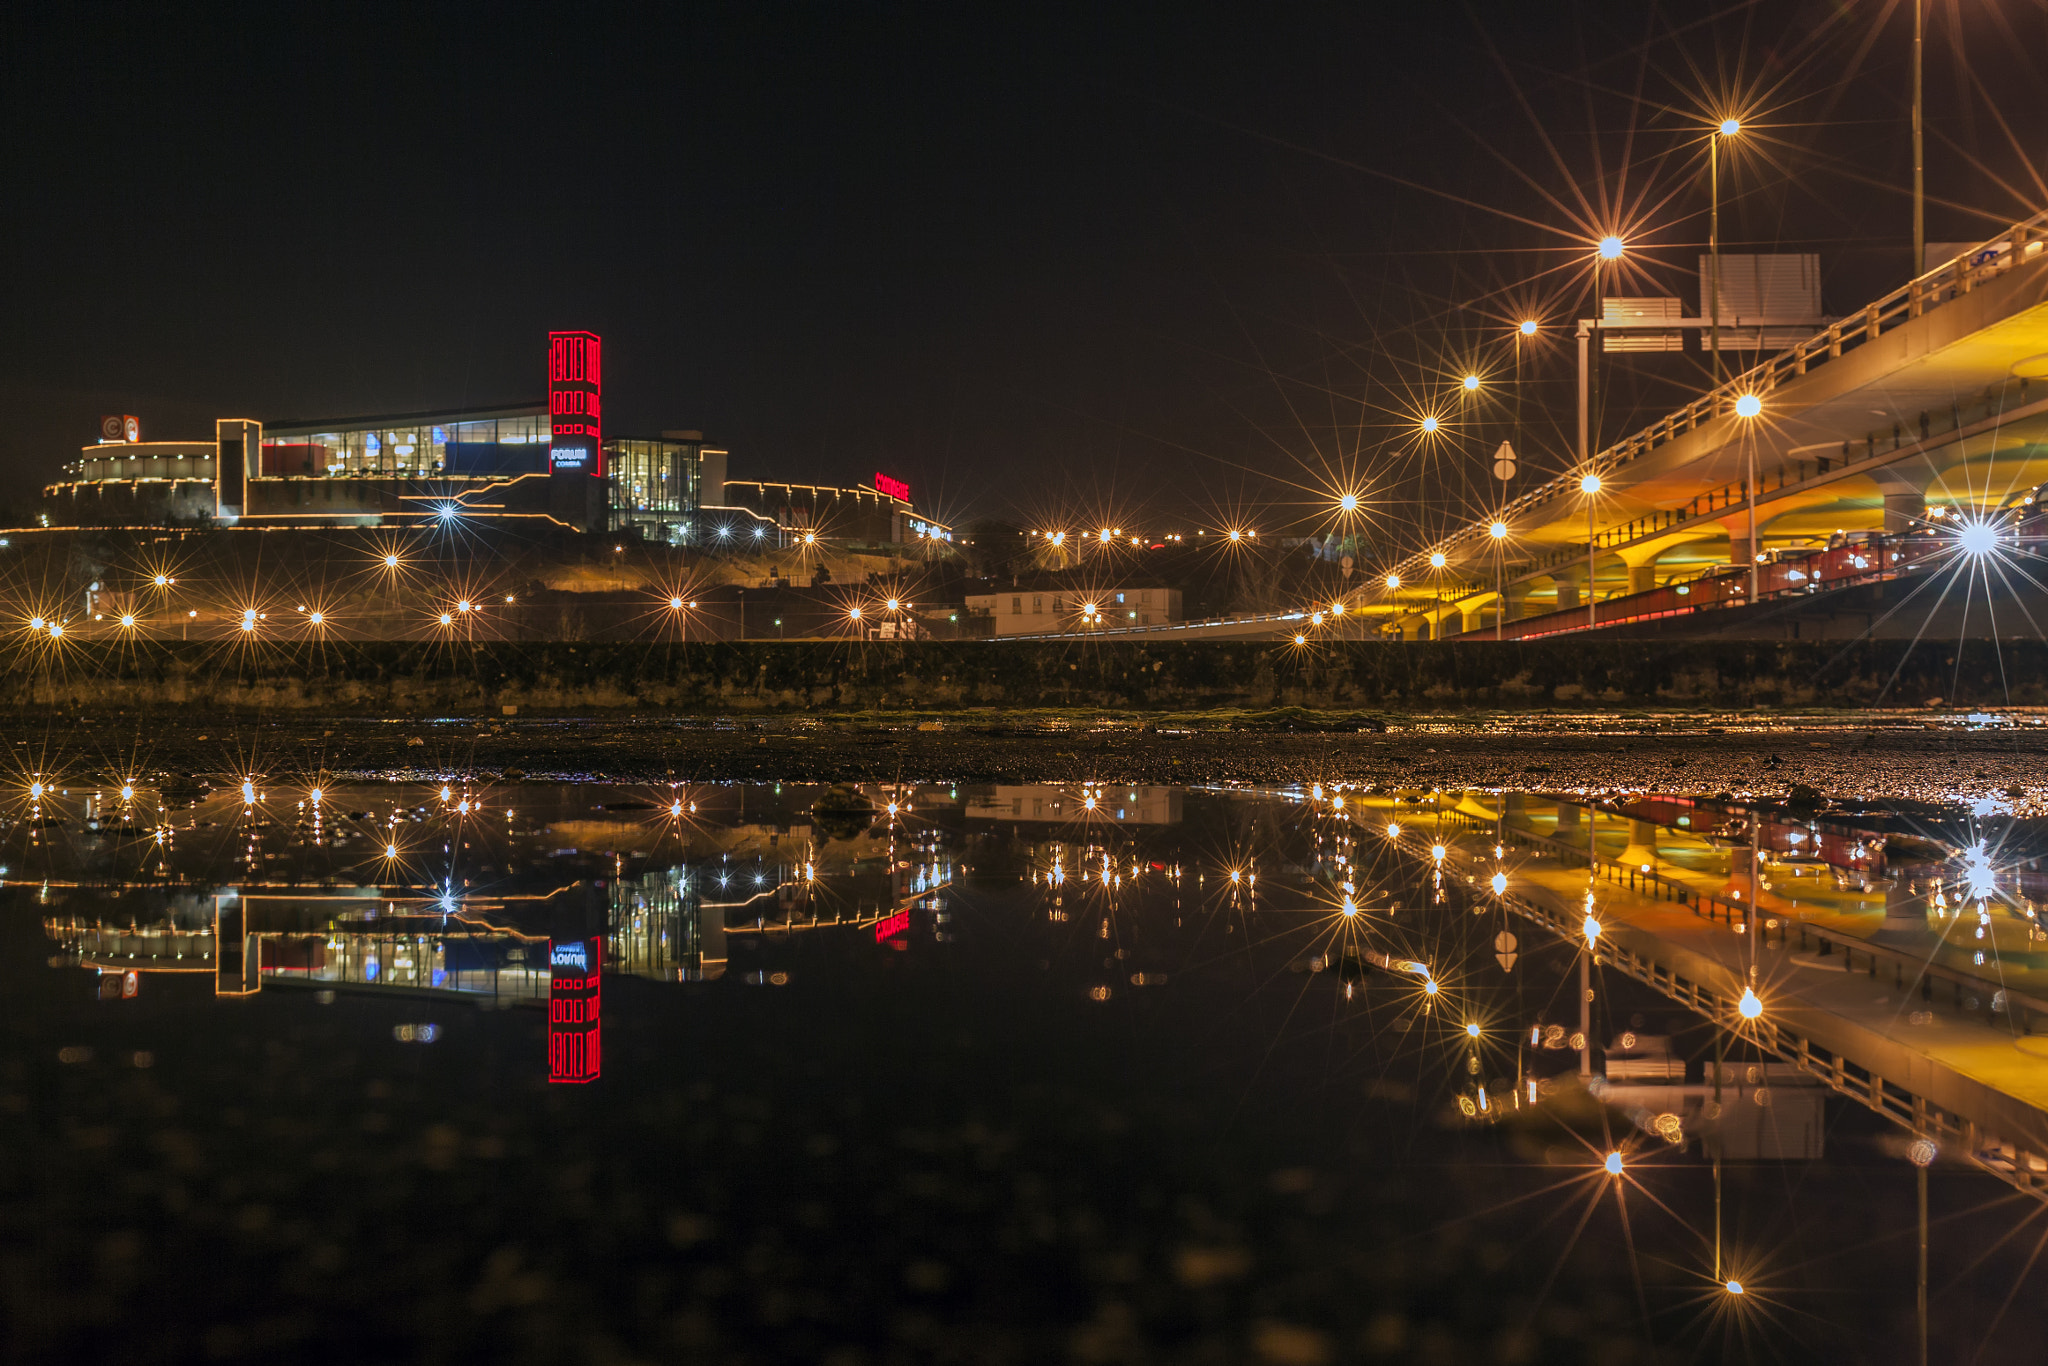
(1037, 802)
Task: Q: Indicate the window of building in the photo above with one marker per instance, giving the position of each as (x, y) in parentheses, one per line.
(1037, 605)
(1145, 597)
(1016, 607)
(1119, 597)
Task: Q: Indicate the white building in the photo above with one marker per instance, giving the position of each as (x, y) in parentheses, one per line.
(1020, 609)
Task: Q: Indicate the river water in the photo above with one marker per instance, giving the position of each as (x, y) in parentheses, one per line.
(919, 1072)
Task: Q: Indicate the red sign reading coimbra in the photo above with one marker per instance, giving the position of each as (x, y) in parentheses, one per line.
(895, 488)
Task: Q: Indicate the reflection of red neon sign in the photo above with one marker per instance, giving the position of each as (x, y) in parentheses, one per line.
(574, 1015)
(576, 402)
(894, 925)
(895, 488)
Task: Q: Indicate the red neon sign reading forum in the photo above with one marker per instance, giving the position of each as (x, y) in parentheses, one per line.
(576, 402)
(895, 488)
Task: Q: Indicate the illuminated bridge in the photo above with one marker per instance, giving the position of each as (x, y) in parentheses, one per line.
(1858, 456)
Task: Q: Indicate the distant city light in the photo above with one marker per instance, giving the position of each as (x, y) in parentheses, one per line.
(1977, 538)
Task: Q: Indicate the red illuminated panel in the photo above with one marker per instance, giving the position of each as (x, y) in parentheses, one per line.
(895, 488)
(892, 926)
(575, 1014)
(576, 402)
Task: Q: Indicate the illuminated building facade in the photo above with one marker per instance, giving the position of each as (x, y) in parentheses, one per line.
(531, 464)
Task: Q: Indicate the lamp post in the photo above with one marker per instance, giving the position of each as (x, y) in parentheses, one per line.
(1727, 129)
(1437, 560)
(1590, 486)
(1499, 532)
(1746, 408)
(1919, 166)
(1393, 604)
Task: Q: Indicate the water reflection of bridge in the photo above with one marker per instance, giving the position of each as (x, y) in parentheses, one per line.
(1943, 1049)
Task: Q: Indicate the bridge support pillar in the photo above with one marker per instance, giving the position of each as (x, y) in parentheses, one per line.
(1905, 494)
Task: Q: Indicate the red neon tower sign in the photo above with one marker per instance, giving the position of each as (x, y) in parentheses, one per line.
(576, 402)
(575, 968)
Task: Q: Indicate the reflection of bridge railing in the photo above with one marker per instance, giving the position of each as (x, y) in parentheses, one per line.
(1891, 1098)
(1944, 284)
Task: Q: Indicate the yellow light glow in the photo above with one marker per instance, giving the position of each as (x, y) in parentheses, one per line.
(1349, 502)
(127, 619)
(1749, 405)
(317, 618)
(1729, 128)
(249, 793)
(1472, 1029)
(462, 606)
(1735, 1287)
(390, 851)
(127, 792)
(676, 603)
(1500, 883)
(1393, 581)
(1471, 383)
(315, 795)
(1499, 531)
(391, 562)
(894, 604)
(1393, 830)
(1529, 327)
(853, 613)
(1301, 640)
(35, 790)
(1610, 248)
(1750, 1006)
(1436, 851)
(1437, 560)
(1613, 1164)
(1590, 484)
(1592, 929)
(35, 623)
(447, 619)
(1429, 424)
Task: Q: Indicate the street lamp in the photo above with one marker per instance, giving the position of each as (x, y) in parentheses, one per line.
(1348, 503)
(1528, 327)
(1471, 383)
(1610, 249)
(1429, 425)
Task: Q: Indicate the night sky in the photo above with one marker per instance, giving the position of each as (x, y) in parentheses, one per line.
(1040, 261)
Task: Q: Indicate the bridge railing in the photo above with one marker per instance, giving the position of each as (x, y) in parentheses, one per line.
(1944, 284)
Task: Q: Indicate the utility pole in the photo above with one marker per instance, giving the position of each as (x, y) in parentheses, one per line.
(1919, 163)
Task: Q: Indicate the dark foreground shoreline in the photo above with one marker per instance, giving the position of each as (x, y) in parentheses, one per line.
(1896, 755)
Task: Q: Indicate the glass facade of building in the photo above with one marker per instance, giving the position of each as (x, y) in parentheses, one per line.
(654, 486)
(488, 443)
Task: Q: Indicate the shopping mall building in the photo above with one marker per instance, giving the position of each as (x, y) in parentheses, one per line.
(534, 465)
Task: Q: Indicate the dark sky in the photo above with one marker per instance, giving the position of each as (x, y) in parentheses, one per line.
(1037, 260)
